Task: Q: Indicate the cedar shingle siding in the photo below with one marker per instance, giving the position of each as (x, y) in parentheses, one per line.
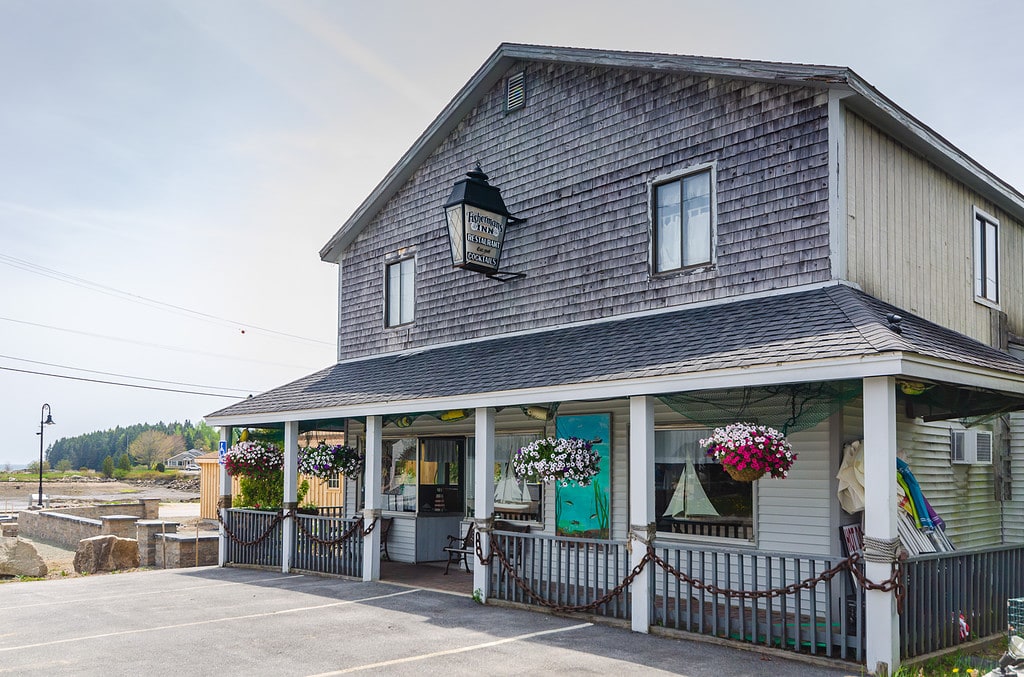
(577, 161)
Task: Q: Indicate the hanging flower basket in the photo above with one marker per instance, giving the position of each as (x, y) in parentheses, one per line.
(747, 451)
(253, 459)
(323, 461)
(557, 459)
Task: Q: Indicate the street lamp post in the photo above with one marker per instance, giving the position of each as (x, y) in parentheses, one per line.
(44, 419)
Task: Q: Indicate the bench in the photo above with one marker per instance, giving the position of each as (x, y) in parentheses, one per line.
(460, 547)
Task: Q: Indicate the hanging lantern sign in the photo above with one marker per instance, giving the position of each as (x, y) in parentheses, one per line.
(476, 217)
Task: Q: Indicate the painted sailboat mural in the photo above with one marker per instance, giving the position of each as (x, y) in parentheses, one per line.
(689, 498)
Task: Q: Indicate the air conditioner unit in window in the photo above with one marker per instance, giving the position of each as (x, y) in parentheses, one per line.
(970, 447)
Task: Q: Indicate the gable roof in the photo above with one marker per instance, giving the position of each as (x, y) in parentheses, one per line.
(827, 323)
(858, 94)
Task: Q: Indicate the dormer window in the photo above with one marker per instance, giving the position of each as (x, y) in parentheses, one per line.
(683, 215)
(400, 291)
(986, 257)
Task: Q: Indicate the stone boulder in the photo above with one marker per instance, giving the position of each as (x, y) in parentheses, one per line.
(106, 553)
(19, 558)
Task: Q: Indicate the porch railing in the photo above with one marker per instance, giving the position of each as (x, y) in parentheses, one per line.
(317, 548)
(561, 572)
(823, 619)
(251, 538)
(331, 511)
(942, 586)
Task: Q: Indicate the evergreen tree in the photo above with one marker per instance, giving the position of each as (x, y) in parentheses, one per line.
(108, 466)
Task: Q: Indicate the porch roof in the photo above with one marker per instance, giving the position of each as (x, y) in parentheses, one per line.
(824, 324)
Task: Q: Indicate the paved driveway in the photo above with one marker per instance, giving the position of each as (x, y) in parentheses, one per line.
(213, 621)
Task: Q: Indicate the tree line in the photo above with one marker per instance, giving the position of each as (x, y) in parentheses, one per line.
(139, 444)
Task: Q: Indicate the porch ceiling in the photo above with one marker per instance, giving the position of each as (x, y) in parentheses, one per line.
(819, 326)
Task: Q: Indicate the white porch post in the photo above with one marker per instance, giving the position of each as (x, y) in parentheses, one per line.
(483, 496)
(290, 499)
(641, 500)
(224, 497)
(881, 621)
(372, 499)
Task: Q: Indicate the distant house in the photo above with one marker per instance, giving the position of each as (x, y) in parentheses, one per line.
(697, 242)
(184, 459)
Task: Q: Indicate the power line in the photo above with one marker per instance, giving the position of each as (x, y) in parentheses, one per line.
(115, 383)
(137, 378)
(151, 345)
(54, 274)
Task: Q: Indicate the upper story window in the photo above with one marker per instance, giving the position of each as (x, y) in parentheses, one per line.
(400, 292)
(986, 257)
(684, 221)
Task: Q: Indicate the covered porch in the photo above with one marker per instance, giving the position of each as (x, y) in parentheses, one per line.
(779, 578)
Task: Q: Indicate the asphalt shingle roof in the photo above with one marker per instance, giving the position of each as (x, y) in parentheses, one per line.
(832, 322)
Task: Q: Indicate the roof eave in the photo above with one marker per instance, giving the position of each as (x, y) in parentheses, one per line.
(885, 114)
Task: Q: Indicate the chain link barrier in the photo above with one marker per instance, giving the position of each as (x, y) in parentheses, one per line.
(279, 518)
(351, 531)
(893, 584)
(496, 551)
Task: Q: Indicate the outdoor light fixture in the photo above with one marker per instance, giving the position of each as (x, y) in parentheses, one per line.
(44, 419)
(477, 218)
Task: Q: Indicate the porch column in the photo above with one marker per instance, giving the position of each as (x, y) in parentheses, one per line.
(372, 499)
(224, 494)
(290, 498)
(483, 496)
(641, 501)
(881, 622)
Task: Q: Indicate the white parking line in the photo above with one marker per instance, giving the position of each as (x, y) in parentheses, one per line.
(448, 652)
(102, 598)
(206, 622)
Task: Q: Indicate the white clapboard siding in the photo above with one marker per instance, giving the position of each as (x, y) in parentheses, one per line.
(793, 515)
(402, 538)
(962, 495)
(1013, 509)
(909, 230)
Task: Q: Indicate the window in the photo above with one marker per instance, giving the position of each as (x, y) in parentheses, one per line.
(986, 257)
(401, 291)
(398, 474)
(423, 475)
(513, 499)
(683, 222)
(693, 495)
(334, 481)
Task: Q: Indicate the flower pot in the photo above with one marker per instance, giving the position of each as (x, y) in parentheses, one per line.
(745, 475)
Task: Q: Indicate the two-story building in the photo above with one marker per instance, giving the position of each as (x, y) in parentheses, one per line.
(694, 242)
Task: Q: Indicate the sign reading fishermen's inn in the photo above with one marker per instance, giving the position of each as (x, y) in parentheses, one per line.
(477, 217)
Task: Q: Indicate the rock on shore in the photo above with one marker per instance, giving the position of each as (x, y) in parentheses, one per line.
(18, 558)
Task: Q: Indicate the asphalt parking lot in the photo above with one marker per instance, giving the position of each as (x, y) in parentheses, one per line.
(213, 621)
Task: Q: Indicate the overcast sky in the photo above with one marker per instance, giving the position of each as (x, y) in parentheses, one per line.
(198, 154)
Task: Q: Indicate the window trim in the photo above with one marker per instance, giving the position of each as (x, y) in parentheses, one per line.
(397, 260)
(737, 543)
(663, 179)
(980, 219)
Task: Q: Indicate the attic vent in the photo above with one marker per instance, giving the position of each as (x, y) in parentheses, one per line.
(970, 446)
(515, 91)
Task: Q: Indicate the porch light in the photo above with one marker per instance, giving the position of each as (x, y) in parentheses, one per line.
(477, 218)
